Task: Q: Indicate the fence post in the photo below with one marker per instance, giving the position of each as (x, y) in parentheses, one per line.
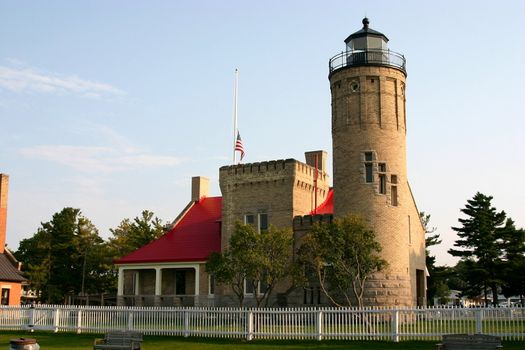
(186, 323)
(130, 321)
(249, 325)
(31, 324)
(395, 325)
(479, 320)
(79, 321)
(319, 325)
(56, 319)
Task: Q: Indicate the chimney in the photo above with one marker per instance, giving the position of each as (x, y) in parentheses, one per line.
(321, 159)
(4, 184)
(199, 187)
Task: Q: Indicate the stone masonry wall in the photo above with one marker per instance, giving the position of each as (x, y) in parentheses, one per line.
(368, 115)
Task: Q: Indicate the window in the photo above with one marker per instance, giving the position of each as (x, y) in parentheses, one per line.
(369, 176)
(368, 173)
(382, 177)
(311, 295)
(393, 190)
(260, 221)
(249, 219)
(5, 296)
(382, 183)
(263, 222)
(393, 179)
(249, 287)
(180, 282)
(211, 284)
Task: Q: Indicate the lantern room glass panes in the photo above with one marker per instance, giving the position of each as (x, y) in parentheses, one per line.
(367, 43)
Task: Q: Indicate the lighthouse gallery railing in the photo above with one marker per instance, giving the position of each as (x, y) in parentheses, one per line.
(368, 57)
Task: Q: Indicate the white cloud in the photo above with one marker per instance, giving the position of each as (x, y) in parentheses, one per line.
(27, 80)
(89, 159)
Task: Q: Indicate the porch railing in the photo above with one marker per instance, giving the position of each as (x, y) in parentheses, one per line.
(275, 323)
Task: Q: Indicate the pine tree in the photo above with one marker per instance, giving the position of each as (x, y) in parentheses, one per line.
(513, 241)
(480, 243)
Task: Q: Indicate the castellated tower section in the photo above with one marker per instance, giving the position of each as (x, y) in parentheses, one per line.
(269, 193)
(367, 84)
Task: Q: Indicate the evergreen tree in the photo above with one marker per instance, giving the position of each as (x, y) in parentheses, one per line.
(133, 234)
(64, 253)
(480, 246)
(513, 241)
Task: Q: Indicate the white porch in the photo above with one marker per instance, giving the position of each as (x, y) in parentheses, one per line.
(167, 284)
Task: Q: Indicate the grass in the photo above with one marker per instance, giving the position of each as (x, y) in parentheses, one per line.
(70, 341)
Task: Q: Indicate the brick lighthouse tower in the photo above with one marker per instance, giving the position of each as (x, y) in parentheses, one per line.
(367, 83)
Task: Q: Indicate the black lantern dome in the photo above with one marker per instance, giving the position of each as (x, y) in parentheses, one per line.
(366, 38)
(367, 47)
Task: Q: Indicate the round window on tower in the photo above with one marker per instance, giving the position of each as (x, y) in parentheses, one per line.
(354, 86)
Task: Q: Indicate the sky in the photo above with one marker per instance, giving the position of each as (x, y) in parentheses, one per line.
(112, 106)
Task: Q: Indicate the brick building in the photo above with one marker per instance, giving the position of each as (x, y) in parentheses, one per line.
(11, 279)
(367, 83)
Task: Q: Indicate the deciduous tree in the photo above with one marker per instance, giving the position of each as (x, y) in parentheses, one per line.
(256, 260)
(436, 282)
(342, 255)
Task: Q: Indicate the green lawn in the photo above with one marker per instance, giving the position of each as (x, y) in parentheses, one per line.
(52, 341)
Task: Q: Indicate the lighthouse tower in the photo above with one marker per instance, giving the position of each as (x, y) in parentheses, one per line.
(367, 83)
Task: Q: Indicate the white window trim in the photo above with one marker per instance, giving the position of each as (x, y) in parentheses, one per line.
(257, 220)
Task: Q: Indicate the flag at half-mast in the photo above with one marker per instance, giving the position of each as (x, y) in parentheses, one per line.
(238, 145)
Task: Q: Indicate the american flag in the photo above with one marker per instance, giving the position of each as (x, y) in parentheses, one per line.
(238, 145)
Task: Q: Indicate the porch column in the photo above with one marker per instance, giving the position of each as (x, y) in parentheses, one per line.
(158, 281)
(197, 280)
(120, 288)
(137, 282)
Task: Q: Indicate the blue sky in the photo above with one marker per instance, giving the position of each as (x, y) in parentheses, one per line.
(112, 106)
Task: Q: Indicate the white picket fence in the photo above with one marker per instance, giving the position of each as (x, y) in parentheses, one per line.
(271, 323)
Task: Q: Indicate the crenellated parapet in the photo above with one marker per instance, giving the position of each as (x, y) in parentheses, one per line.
(257, 167)
(301, 224)
(277, 168)
(253, 173)
(304, 223)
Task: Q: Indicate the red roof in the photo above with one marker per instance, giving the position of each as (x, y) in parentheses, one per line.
(193, 238)
(327, 207)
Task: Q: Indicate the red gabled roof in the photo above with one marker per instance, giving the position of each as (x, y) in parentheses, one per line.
(327, 207)
(193, 238)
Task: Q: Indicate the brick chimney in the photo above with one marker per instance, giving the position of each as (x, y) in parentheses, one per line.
(4, 184)
(321, 159)
(200, 186)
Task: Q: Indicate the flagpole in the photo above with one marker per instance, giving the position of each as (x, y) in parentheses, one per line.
(235, 92)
